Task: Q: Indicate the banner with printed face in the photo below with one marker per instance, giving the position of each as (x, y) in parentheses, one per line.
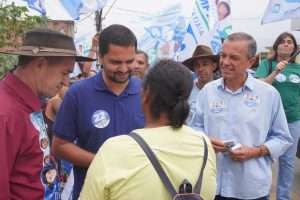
(278, 10)
(210, 25)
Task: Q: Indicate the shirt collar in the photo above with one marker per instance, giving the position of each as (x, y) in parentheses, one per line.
(247, 85)
(133, 87)
(22, 92)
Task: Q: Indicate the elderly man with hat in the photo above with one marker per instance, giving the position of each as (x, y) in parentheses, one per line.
(45, 60)
(203, 63)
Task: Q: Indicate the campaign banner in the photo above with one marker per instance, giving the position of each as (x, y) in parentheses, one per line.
(210, 25)
(78, 7)
(164, 30)
(278, 10)
(37, 5)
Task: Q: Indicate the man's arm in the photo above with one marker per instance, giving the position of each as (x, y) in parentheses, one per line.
(196, 118)
(4, 165)
(279, 138)
(87, 66)
(71, 152)
(245, 153)
(65, 132)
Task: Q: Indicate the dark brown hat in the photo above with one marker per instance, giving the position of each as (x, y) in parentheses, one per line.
(46, 42)
(201, 51)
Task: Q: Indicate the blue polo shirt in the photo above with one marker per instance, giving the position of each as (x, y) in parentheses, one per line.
(91, 113)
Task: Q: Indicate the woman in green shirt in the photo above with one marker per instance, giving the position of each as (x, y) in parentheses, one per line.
(284, 74)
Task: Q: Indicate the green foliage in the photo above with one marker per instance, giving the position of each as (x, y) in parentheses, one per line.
(14, 22)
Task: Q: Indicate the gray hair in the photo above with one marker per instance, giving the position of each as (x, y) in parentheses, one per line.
(241, 36)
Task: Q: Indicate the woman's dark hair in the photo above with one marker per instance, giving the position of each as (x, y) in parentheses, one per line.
(279, 40)
(169, 84)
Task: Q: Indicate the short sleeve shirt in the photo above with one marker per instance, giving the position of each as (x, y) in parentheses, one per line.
(91, 113)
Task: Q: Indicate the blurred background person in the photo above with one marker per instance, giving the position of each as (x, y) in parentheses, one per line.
(140, 65)
(52, 108)
(284, 74)
(203, 63)
(85, 70)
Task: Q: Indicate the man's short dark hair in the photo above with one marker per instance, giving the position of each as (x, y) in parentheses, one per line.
(118, 35)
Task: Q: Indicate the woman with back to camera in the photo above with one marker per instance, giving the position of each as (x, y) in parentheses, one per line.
(121, 170)
(284, 74)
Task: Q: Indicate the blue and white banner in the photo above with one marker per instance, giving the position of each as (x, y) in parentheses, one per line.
(278, 10)
(37, 5)
(77, 7)
(210, 25)
(164, 30)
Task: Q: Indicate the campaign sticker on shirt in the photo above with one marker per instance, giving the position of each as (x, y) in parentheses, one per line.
(280, 78)
(294, 78)
(217, 106)
(100, 119)
(44, 142)
(251, 100)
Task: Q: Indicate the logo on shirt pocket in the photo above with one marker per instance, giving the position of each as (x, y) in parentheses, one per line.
(100, 119)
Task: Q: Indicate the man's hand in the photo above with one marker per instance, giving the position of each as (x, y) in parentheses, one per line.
(244, 153)
(95, 42)
(218, 145)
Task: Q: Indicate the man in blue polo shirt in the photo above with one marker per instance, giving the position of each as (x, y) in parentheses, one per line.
(100, 107)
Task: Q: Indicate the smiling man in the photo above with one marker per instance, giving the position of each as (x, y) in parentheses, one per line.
(100, 107)
(247, 112)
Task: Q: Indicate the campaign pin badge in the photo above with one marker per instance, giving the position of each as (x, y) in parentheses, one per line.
(294, 78)
(251, 100)
(280, 78)
(217, 106)
(100, 119)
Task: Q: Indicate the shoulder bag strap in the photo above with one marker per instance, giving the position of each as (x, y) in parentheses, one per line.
(155, 163)
(198, 185)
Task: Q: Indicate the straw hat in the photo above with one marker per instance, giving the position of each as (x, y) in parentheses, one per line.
(201, 51)
(47, 43)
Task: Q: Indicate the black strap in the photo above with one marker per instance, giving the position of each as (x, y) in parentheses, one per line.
(269, 66)
(159, 170)
(198, 185)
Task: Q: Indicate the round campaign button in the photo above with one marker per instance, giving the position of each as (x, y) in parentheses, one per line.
(100, 119)
(294, 78)
(280, 78)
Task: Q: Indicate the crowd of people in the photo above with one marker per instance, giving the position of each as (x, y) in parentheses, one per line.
(214, 128)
